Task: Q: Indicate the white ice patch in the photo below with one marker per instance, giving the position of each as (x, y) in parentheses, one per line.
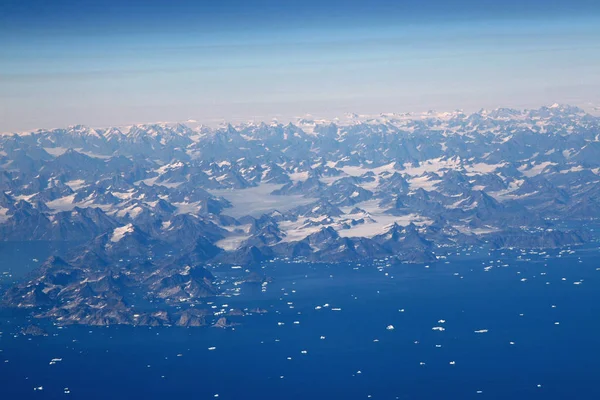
(119, 233)
(297, 230)
(432, 165)
(577, 168)
(359, 171)
(123, 195)
(132, 211)
(506, 194)
(483, 168)
(62, 204)
(258, 200)
(188, 208)
(379, 222)
(232, 242)
(75, 184)
(55, 151)
(535, 169)
(94, 155)
(476, 231)
(423, 182)
(299, 176)
(169, 167)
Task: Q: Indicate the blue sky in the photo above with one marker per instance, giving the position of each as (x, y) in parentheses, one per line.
(102, 63)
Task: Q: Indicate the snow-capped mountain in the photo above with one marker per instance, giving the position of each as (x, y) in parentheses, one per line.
(398, 186)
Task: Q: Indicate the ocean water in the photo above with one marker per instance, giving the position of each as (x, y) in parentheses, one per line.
(17, 259)
(326, 337)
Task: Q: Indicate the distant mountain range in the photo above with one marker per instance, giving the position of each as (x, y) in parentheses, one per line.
(150, 206)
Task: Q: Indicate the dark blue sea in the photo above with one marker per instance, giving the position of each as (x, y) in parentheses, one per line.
(515, 326)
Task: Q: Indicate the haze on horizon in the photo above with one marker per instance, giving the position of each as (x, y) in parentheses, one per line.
(107, 63)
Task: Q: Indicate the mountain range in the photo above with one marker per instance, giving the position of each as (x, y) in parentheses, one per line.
(149, 208)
